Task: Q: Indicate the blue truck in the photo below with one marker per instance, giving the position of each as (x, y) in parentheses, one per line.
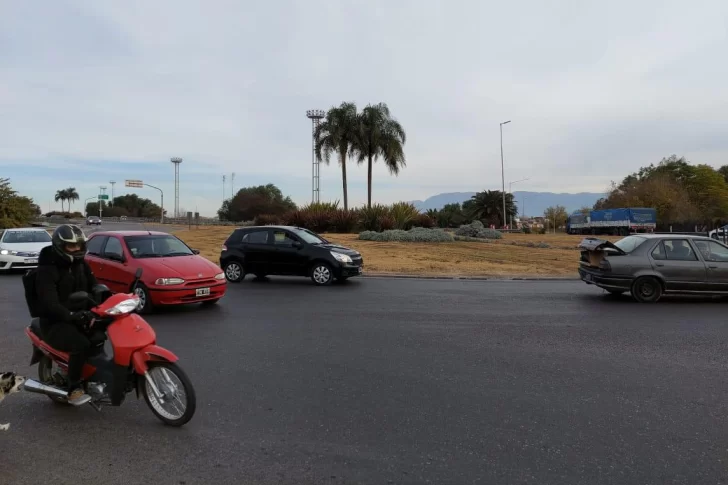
(613, 221)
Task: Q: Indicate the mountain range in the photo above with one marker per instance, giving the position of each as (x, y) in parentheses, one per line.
(529, 203)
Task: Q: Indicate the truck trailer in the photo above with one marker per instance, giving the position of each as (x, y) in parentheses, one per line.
(613, 221)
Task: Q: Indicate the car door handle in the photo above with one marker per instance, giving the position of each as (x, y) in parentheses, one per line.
(659, 264)
(712, 266)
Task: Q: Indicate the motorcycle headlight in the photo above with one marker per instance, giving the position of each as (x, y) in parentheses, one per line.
(126, 306)
(169, 281)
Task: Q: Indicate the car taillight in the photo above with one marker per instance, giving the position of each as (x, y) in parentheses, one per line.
(224, 248)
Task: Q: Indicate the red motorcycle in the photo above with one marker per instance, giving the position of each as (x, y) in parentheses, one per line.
(135, 364)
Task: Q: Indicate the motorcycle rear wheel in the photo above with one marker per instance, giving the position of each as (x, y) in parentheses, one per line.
(157, 371)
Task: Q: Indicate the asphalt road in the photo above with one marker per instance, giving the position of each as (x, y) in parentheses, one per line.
(400, 381)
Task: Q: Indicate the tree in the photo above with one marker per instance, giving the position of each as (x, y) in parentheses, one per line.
(487, 207)
(336, 134)
(557, 215)
(127, 205)
(61, 197)
(250, 202)
(15, 210)
(71, 195)
(379, 135)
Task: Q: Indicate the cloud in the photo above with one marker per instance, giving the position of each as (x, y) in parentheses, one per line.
(593, 91)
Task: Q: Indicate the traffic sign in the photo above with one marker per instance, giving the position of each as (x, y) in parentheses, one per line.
(103, 197)
(133, 183)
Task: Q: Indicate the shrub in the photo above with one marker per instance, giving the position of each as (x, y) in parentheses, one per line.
(385, 223)
(369, 217)
(403, 214)
(542, 230)
(423, 220)
(343, 221)
(267, 220)
(526, 230)
(417, 234)
(476, 229)
(297, 218)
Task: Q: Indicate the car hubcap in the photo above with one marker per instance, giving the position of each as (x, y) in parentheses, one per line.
(233, 271)
(142, 297)
(646, 290)
(321, 274)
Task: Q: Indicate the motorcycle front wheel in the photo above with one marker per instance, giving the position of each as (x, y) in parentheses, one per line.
(177, 404)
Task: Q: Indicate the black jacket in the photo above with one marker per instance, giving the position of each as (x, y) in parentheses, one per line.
(56, 279)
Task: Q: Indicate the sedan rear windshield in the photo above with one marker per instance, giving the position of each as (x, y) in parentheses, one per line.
(22, 237)
(630, 243)
(156, 246)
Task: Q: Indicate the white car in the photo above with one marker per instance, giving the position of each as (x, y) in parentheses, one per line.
(19, 248)
(719, 233)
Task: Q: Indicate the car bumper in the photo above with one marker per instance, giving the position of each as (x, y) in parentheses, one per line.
(189, 294)
(9, 261)
(350, 270)
(597, 278)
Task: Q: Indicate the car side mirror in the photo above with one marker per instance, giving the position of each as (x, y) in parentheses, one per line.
(195, 251)
(138, 273)
(297, 244)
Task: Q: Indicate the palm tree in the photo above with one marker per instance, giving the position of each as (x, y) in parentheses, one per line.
(336, 134)
(379, 135)
(488, 206)
(61, 196)
(71, 195)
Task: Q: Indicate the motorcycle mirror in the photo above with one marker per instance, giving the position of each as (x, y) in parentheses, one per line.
(138, 273)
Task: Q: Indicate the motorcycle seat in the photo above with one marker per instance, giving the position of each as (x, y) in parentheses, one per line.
(35, 327)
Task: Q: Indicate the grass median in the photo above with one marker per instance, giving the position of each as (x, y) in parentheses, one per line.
(513, 256)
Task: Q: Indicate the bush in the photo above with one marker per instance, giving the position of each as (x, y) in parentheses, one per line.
(344, 221)
(267, 220)
(423, 220)
(385, 223)
(403, 214)
(476, 229)
(370, 217)
(526, 230)
(417, 234)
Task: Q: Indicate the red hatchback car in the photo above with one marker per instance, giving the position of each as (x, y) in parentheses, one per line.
(173, 273)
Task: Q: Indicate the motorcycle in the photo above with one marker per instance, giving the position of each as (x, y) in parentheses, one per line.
(136, 362)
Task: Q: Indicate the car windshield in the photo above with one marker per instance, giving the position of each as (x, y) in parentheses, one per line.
(156, 246)
(308, 236)
(24, 237)
(629, 243)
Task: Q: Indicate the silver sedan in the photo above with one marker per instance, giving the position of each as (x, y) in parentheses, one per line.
(651, 265)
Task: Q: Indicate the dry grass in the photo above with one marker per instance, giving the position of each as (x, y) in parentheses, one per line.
(507, 257)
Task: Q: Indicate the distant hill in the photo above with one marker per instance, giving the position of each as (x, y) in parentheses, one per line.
(534, 203)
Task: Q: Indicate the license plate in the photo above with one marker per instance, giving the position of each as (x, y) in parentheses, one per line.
(202, 291)
(31, 261)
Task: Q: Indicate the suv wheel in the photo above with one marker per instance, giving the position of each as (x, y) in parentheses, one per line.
(234, 272)
(321, 274)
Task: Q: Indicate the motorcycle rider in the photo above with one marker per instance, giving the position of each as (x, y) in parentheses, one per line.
(62, 270)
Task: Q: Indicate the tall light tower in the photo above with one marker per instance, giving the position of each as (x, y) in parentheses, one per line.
(102, 191)
(176, 161)
(503, 173)
(232, 186)
(315, 115)
(223, 189)
(112, 182)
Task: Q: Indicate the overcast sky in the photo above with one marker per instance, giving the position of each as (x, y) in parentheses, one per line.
(105, 89)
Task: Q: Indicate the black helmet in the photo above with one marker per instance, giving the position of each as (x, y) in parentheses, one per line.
(69, 234)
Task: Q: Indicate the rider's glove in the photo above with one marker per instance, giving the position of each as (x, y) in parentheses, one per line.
(82, 318)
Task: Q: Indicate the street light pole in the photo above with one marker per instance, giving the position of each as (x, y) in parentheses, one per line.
(510, 191)
(503, 172)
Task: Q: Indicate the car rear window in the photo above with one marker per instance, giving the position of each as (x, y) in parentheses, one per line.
(630, 243)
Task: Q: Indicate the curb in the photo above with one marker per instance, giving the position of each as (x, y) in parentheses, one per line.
(468, 278)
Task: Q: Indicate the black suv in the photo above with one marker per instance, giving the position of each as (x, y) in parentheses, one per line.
(285, 250)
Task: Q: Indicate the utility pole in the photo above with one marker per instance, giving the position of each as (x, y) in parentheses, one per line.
(223, 189)
(232, 186)
(315, 115)
(102, 191)
(112, 182)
